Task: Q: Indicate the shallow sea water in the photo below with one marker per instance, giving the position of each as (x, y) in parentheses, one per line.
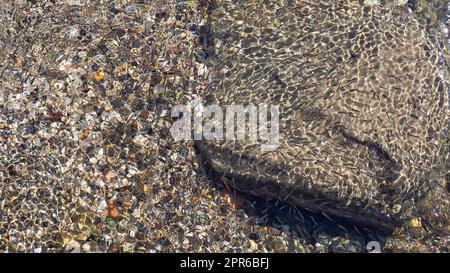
(87, 163)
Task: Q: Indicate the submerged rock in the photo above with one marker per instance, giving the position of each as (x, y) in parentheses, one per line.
(363, 105)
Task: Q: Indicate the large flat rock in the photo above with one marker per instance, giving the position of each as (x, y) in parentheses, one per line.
(363, 105)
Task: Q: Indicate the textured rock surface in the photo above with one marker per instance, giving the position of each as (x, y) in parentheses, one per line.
(363, 105)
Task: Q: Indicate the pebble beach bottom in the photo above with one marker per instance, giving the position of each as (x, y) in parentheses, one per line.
(87, 161)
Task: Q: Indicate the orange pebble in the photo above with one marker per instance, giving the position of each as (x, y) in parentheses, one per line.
(113, 211)
(232, 199)
(98, 76)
